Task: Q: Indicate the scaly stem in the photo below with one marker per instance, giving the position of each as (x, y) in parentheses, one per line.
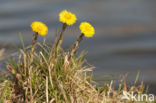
(75, 46)
(34, 41)
(60, 40)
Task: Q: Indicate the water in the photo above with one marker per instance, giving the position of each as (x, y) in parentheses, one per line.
(125, 40)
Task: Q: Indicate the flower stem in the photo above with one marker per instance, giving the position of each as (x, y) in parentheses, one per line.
(34, 41)
(60, 40)
(34, 38)
(75, 46)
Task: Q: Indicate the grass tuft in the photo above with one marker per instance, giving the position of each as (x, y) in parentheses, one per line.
(47, 74)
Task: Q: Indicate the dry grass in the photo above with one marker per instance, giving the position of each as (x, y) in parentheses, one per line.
(2, 53)
(48, 74)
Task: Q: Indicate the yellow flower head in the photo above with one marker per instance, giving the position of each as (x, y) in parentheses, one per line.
(87, 29)
(67, 17)
(40, 28)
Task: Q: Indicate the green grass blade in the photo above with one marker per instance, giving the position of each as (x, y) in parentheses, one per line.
(21, 38)
(137, 77)
(3, 92)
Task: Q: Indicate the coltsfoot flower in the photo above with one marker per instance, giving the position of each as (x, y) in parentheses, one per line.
(39, 27)
(87, 29)
(67, 17)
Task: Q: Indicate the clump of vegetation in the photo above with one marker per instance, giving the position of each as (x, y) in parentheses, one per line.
(48, 74)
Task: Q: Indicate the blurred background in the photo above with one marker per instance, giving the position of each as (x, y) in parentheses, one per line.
(125, 39)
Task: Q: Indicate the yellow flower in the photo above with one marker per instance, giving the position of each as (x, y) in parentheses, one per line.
(40, 28)
(87, 29)
(67, 17)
